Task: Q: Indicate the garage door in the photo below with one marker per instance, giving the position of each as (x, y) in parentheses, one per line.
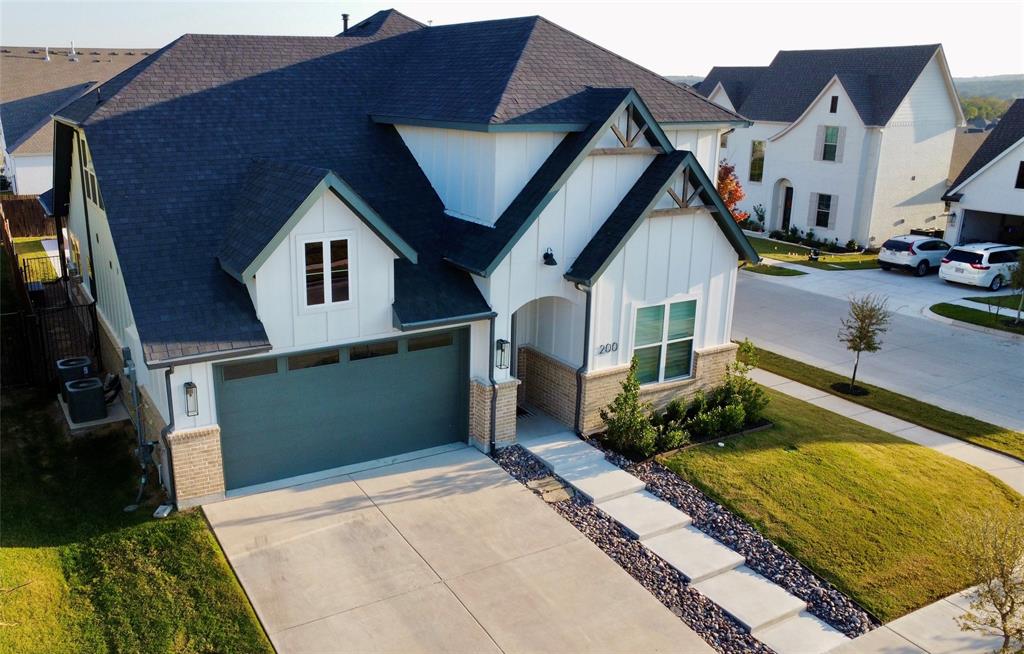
(291, 415)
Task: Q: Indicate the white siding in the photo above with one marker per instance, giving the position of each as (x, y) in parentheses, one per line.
(993, 190)
(703, 143)
(666, 257)
(917, 144)
(477, 174)
(33, 174)
(279, 286)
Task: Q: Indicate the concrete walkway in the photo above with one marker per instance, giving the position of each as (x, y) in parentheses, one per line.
(767, 611)
(1005, 468)
(928, 630)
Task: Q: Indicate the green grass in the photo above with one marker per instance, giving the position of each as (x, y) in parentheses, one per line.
(920, 413)
(31, 247)
(866, 510)
(979, 317)
(798, 254)
(777, 271)
(1005, 301)
(87, 577)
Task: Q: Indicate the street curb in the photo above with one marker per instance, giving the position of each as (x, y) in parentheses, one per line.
(931, 315)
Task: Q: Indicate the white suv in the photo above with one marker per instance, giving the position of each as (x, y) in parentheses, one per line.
(980, 264)
(921, 254)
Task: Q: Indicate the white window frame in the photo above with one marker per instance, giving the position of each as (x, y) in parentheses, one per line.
(664, 343)
(817, 210)
(300, 269)
(825, 143)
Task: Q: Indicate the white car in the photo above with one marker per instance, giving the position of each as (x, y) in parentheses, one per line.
(922, 254)
(980, 264)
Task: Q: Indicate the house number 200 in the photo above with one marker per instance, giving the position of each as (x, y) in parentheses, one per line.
(607, 347)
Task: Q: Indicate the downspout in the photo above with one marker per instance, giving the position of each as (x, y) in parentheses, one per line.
(85, 209)
(166, 432)
(586, 359)
(494, 390)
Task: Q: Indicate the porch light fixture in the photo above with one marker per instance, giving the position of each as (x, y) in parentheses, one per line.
(549, 258)
(502, 349)
(191, 399)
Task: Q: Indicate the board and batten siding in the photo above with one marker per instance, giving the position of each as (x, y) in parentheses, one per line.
(478, 174)
(566, 225)
(667, 256)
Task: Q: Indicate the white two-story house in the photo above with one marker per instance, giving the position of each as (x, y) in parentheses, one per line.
(324, 251)
(988, 194)
(848, 144)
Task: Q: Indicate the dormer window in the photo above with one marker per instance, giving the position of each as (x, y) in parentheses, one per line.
(832, 108)
(326, 271)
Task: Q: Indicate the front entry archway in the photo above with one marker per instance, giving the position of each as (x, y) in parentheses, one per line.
(782, 205)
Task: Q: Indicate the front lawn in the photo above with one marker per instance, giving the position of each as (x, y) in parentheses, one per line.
(77, 574)
(798, 254)
(1005, 301)
(866, 510)
(777, 271)
(946, 422)
(980, 317)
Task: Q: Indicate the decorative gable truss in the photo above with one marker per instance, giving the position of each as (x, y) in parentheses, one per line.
(633, 131)
(683, 195)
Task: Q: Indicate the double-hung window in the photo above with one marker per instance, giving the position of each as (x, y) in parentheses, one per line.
(831, 145)
(824, 210)
(325, 272)
(663, 341)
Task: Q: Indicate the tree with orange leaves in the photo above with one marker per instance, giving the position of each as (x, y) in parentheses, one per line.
(730, 190)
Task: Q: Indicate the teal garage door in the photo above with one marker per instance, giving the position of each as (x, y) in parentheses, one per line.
(291, 415)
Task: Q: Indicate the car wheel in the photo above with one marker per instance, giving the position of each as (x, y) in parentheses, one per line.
(885, 266)
(922, 269)
(997, 283)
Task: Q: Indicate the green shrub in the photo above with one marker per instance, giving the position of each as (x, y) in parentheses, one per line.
(629, 429)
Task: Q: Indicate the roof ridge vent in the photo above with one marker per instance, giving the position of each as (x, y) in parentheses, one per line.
(72, 55)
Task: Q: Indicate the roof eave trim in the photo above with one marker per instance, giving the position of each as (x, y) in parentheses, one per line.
(988, 165)
(351, 199)
(952, 197)
(477, 127)
(708, 123)
(203, 358)
(439, 322)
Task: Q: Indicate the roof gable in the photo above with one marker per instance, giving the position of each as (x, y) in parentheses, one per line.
(877, 80)
(1006, 134)
(657, 182)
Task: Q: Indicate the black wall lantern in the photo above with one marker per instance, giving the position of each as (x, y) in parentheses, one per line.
(502, 349)
(191, 399)
(549, 258)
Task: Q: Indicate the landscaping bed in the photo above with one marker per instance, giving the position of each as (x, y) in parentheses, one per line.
(907, 408)
(798, 253)
(980, 317)
(82, 575)
(775, 271)
(865, 510)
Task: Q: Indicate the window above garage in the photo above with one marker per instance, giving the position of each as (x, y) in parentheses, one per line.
(325, 271)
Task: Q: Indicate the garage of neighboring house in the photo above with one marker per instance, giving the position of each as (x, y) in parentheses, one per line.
(305, 412)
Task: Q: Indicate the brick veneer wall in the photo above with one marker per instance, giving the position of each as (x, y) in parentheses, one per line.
(480, 414)
(198, 465)
(550, 385)
(600, 387)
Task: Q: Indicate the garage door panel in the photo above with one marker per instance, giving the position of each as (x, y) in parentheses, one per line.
(315, 418)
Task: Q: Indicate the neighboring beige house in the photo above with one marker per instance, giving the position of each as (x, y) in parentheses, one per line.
(35, 83)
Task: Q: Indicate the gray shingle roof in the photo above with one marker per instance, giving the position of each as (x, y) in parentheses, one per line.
(383, 24)
(1009, 130)
(173, 140)
(877, 80)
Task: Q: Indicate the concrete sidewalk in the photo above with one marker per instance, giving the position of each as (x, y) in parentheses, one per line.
(1005, 468)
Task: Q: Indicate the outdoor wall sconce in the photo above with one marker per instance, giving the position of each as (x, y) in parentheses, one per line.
(502, 347)
(191, 399)
(549, 258)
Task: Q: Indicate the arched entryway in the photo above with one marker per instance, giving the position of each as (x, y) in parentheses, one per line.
(782, 205)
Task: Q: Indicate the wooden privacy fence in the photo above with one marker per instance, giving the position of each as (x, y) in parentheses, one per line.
(25, 216)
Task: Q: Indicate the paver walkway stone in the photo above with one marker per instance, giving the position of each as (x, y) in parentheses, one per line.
(694, 553)
(644, 515)
(803, 633)
(750, 598)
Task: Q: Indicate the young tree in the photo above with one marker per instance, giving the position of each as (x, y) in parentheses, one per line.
(730, 190)
(627, 418)
(1017, 284)
(991, 548)
(862, 329)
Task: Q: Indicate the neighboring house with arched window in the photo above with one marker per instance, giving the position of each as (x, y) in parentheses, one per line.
(850, 144)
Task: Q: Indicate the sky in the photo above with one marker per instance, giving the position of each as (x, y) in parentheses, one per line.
(670, 38)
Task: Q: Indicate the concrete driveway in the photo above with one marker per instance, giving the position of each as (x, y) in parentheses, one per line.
(445, 553)
(955, 368)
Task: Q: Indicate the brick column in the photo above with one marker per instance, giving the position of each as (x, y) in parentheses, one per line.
(198, 465)
(480, 393)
